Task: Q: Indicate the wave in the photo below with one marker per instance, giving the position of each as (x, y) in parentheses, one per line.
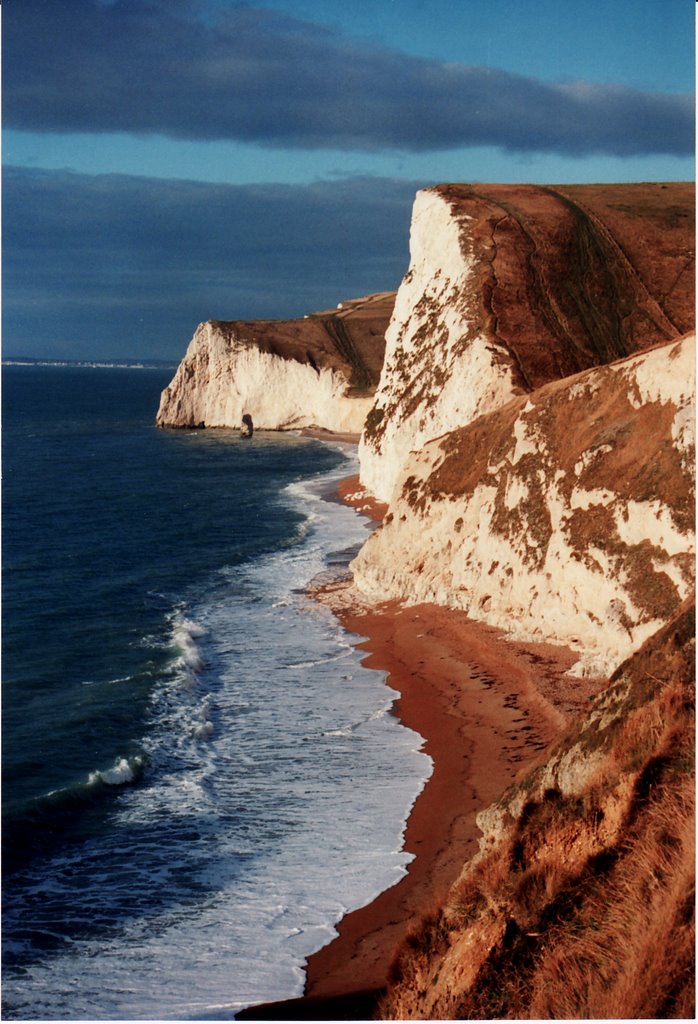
(301, 531)
(314, 662)
(122, 772)
(36, 827)
(202, 728)
(192, 713)
(56, 817)
(188, 662)
(111, 682)
(231, 824)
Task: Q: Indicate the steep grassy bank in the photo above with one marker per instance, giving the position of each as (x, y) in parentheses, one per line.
(581, 900)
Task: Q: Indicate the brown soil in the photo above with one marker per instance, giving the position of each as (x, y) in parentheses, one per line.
(350, 338)
(575, 276)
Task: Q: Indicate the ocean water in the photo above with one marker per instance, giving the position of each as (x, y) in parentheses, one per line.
(199, 777)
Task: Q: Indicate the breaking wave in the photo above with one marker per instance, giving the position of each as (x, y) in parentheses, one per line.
(123, 771)
(243, 809)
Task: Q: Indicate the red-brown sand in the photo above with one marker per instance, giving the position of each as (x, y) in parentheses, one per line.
(487, 709)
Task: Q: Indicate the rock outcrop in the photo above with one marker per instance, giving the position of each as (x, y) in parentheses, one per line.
(566, 515)
(511, 287)
(320, 371)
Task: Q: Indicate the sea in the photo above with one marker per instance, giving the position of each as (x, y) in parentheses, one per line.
(200, 778)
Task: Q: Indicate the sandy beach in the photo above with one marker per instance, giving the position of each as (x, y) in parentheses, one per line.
(487, 709)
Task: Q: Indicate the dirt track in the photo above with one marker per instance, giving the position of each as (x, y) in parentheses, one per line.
(579, 275)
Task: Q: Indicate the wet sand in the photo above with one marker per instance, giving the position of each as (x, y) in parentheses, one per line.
(487, 709)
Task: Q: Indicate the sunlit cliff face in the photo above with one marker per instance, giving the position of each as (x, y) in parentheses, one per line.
(566, 515)
(319, 371)
(510, 287)
(435, 349)
(222, 379)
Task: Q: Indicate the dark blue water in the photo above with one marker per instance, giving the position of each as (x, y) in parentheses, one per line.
(180, 724)
(108, 523)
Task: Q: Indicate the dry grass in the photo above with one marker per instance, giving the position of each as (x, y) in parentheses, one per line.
(585, 907)
(628, 952)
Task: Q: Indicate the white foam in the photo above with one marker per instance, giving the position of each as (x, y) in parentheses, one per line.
(185, 633)
(122, 772)
(275, 799)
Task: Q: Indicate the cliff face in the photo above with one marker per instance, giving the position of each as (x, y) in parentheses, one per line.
(566, 515)
(319, 371)
(580, 903)
(436, 346)
(511, 287)
(533, 433)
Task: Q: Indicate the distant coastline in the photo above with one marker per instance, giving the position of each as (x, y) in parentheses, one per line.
(95, 364)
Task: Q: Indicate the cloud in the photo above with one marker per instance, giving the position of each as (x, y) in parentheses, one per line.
(116, 265)
(260, 76)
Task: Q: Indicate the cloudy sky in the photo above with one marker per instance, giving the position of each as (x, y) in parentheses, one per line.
(172, 161)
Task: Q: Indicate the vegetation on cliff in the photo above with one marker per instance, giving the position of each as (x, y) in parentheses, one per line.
(565, 513)
(580, 903)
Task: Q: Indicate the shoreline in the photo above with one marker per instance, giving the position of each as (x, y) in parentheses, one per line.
(487, 709)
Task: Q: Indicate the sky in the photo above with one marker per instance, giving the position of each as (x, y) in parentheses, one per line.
(167, 162)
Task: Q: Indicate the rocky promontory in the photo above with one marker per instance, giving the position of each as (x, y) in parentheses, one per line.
(512, 286)
(318, 371)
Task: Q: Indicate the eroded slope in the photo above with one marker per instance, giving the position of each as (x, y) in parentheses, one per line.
(513, 286)
(566, 515)
(580, 903)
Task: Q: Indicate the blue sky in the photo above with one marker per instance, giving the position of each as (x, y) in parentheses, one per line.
(170, 161)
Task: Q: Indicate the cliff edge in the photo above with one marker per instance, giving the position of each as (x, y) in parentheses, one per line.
(319, 371)
(512, 286)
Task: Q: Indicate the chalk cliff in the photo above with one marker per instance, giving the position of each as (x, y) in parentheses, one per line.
(565, 515)
(510, 287)
(319, 371)
(533, 434)
(532, 431)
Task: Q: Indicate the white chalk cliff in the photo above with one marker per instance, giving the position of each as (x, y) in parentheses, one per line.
(318, 371)
(222, 378)
(510, 287)
(441, 370)
(565, 516)
(532, 426)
